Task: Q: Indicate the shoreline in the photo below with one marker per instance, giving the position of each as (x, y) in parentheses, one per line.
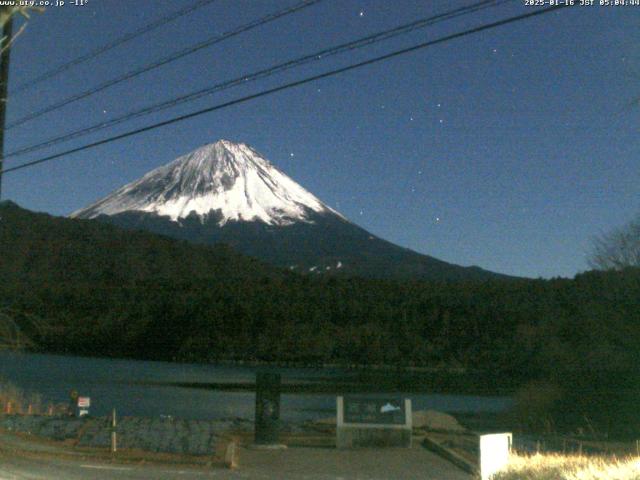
(344, 378)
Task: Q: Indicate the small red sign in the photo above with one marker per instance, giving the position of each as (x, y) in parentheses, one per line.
(84, 402)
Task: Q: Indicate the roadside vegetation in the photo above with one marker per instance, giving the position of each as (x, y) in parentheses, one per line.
(15, 400)
(570, 467)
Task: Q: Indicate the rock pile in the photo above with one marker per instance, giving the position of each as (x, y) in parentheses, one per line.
(190, 437)
(436, 421)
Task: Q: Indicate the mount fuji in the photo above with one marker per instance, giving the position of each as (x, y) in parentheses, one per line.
(227, 192)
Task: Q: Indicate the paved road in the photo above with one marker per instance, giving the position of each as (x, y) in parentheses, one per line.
(290, 464)
(22, 468)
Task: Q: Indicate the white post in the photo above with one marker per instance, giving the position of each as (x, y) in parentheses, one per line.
(494, 453)
(114, 440)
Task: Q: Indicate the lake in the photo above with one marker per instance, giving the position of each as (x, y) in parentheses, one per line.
(146, 388)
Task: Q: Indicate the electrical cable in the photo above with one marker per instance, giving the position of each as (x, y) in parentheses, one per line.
(111, 45)
(246, 78)
(163, 61)
(287, 86)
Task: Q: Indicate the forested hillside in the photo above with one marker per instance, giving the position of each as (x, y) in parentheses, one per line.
(105, 291)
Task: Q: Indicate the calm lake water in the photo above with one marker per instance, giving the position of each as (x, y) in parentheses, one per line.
(121, 384)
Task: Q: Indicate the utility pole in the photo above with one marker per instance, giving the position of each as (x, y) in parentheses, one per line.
(7, 34)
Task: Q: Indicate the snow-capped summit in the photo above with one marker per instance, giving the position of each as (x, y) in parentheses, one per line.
(231, 180)
(228, 193)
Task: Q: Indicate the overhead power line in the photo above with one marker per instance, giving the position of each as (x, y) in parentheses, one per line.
(287, 86)
(111, 45)
(164, 61)
(249, 77)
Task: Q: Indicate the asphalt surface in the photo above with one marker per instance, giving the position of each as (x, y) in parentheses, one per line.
(18, 461)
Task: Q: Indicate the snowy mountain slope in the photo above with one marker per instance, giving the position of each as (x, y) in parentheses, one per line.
(228, 193)
(230, 179)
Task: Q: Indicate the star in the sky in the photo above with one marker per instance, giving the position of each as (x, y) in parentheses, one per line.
(361, 14)
(291, 154)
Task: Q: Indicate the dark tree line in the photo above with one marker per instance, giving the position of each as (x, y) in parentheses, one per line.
(107, 292)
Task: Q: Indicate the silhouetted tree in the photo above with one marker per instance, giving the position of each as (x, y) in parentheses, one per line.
(617, 249)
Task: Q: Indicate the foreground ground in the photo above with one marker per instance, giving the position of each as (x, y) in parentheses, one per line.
(21, 459)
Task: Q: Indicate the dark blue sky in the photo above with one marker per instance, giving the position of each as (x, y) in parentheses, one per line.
(508, 149)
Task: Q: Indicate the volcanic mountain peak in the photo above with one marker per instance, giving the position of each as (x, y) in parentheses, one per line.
(230, 180)
(228, 193)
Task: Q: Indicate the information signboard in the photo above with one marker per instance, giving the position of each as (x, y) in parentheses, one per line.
(83, 406)
(373, 422)
(381, 411)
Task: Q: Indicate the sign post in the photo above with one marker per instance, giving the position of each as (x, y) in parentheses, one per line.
(83, 406)
(373, 422)
(267, 428)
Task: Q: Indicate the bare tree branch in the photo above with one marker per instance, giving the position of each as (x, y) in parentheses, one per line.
(617, 249)
(8, 12)
(7, 44)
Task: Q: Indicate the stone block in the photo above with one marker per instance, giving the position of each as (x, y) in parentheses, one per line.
(360, 436)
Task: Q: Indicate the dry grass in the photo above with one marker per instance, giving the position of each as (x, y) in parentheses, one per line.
(570, 467)
(19, 399)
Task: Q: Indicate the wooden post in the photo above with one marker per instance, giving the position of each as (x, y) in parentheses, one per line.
(231, 455)
(114, 440)
(638, 448)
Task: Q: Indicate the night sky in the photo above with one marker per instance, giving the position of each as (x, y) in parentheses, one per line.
(509, 149)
